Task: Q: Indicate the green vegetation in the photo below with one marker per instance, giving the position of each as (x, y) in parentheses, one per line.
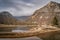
(55, 21)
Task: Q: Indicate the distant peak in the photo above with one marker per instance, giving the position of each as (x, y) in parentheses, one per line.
(4, 12)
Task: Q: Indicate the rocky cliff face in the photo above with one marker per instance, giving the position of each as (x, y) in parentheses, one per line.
(7, 18)
(49, 14)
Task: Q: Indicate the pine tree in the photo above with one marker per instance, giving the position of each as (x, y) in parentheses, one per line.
(55, 21)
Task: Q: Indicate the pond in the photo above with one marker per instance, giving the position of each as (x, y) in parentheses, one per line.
(21, 29)
(28, 38)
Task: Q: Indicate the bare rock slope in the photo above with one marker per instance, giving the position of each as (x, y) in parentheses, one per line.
(49, 14)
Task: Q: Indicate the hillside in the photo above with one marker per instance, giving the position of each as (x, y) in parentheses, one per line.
(7, 18)
(49, 14)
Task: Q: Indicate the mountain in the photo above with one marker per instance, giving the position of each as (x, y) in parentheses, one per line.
(7, 18)
(49, 14)
(22, 18)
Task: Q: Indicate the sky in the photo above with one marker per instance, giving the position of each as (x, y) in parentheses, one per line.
(22, 7)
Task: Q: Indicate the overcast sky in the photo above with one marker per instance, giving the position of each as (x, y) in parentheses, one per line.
(22, 7)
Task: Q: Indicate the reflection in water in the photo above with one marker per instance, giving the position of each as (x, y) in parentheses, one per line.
(21, 29)
(18, 30)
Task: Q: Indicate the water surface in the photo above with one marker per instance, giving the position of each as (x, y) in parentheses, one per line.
(21, 29)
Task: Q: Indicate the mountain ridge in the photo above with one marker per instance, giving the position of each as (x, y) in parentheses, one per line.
(47, 14)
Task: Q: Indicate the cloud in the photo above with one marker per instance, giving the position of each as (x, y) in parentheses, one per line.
(22, 7)
(16, 7)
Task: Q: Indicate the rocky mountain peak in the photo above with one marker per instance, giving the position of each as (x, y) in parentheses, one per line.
(52, 2)
(49, 14)
(53, 5)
